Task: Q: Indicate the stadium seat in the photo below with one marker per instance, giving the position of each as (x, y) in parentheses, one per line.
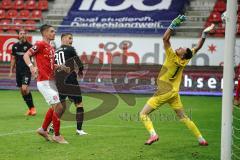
(43, 5)
(12, 13)
(37, 14)
(220, 6)
(207, 24)
(215, 17)
(24, 14)
(2, 13)
(30, 4)
(30, 25)
(5, 24)
(18, 4)
(238, 18)
(12, 31)
(219, 32)
(18, 24)
(238, 29)
(6, 4)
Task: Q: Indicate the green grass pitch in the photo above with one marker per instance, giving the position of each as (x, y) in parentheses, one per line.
(117, 134)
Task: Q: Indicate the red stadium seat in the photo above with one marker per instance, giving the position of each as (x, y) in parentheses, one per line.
(12, 13)
(207, 24)
(6, 4)
(30, 4)
(5, 24)
(218, 35)
(24, 14)
(43, 5)
(215, 17)
(220, 6)
(37, 14)
(220, 32)
(30, 25)
(2, 13)
(11, 31)
(221, 26)
(238, 18)
(18, 24)
(18, 4)
(1, 31)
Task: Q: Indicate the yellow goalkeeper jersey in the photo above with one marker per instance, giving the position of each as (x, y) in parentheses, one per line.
(170, 76)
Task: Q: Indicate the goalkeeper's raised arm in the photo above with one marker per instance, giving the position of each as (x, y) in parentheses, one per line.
(175, 23)
(203, 37)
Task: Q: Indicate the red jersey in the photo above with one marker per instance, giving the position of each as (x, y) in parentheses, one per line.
(44, 55)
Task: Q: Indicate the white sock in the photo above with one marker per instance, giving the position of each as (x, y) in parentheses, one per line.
(153, 133)
(201, 139)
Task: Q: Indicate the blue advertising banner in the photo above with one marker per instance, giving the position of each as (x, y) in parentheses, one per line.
(121, 16)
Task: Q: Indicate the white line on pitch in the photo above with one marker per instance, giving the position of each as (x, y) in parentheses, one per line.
(108, 126)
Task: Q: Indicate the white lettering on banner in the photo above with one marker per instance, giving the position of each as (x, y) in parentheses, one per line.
(187, 82)
(200, 83)
(7, 46)
(210, 83)
(100, 5)
(148, 50)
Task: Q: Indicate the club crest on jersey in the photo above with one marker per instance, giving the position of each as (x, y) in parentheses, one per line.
(55, 98)
(26, 79)
(25, 48)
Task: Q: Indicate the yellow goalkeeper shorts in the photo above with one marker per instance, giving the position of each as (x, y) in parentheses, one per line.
(172, 98)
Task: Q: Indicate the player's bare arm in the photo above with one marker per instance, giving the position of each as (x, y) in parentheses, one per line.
(203, 37)
(12, 66)
(62, 68)
(27, 59)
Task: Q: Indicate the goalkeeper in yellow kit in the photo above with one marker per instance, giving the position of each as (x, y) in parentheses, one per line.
(169, 80)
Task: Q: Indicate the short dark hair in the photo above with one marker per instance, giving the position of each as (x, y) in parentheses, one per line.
(45, 27)
(65, 34)
(20, 30)
(188, 54)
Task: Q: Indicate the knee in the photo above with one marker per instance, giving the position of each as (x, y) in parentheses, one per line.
(58, 108)
(24, 90)
(142, 113)
(79, 105)
(184, 119)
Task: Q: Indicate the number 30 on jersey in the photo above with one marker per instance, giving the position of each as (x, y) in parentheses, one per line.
(60, 58)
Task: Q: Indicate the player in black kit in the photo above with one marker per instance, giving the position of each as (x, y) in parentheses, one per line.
(67, 83)
(23, 74)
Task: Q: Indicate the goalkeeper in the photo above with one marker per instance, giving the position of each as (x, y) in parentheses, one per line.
(169, 80)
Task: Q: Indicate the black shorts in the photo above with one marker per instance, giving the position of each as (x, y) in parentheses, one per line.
(75, 99)
(23, 79)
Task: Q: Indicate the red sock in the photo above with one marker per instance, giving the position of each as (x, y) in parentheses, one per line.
(56, 123)
(48, 119)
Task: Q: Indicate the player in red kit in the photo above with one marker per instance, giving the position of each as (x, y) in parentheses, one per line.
(43, 53)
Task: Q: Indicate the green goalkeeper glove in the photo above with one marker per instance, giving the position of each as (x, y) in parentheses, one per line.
(177, 21)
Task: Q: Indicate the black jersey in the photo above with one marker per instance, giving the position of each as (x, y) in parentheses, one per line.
(18, 50)
(67, 55)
